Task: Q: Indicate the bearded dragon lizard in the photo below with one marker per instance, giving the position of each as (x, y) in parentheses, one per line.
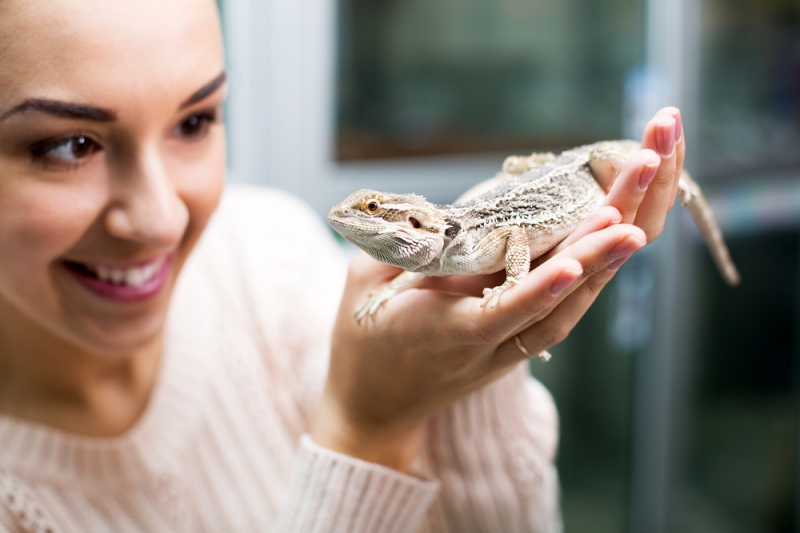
(537, 202)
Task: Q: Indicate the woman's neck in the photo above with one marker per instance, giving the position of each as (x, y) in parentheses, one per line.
(47, 380)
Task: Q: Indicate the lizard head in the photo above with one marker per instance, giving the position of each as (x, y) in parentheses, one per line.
(403, 230)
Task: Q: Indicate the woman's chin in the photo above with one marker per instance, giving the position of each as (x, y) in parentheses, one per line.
(117, 337)
(110, 317)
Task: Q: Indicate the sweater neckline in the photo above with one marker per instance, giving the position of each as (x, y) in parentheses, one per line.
(153, 444)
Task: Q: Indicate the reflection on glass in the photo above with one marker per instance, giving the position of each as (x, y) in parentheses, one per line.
(741, 445)
(750, 86)
(590, 377)
(420, 77)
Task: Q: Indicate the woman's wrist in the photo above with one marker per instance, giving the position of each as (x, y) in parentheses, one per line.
(393, 445)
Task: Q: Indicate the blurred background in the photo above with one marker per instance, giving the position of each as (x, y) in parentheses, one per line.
(678, 395)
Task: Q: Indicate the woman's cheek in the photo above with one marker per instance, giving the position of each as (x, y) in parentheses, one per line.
(201, 184)
(46, 219)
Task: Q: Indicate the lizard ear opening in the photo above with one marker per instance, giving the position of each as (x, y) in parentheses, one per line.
(414, 222)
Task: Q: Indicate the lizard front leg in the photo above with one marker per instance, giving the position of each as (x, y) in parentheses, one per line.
(517, 258)
(378, 298)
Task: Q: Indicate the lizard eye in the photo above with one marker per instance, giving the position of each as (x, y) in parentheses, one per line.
(372, 206)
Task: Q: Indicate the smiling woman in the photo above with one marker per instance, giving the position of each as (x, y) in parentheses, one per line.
(151, 380)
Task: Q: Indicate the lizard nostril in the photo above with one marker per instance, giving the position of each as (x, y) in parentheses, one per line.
(414, 222)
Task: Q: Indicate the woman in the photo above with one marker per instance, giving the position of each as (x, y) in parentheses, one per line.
(133, 398)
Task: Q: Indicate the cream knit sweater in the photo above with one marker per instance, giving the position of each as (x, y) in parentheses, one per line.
(222, 445)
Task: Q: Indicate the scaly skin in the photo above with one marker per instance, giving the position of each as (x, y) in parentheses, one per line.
(537, 201)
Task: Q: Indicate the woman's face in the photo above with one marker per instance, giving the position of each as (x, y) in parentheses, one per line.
(112, 160)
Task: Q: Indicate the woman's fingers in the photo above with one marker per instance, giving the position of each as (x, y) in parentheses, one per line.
(462, 318)
(680, 146)
(552, 326)
(617, 256)
(623, 200)
(599, 219)
(630, 187)
(661, 135)
(551, 330)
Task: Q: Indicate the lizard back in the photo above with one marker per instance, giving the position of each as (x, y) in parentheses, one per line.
(548, 201)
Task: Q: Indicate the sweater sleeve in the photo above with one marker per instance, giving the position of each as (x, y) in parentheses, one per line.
(335, 493)
(493, 453)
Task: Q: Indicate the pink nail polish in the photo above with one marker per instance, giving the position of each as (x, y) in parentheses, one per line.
(678, 126)
(665, 139)
(564, 280)
(647, 175)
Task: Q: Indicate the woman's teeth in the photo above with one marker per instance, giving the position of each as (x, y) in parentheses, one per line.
(132, 277)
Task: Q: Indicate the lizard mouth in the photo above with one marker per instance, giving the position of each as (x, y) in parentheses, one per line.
(349, 225)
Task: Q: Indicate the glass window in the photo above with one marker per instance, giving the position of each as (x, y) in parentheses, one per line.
(740, 445)
(422, 77)
(741, 442)
(750, 86)
(591, 378)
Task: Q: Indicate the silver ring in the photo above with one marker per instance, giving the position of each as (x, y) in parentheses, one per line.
(544, 355)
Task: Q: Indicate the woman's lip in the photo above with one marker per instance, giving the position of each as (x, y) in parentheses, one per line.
(94, 265)
(121, 292)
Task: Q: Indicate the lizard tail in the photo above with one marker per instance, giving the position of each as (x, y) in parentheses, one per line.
(692, 198)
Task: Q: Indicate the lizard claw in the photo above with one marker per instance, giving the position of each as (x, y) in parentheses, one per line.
(492, 296)
(489, 298)
(374, 301)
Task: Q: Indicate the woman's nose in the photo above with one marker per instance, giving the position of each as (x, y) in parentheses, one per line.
(146, 205)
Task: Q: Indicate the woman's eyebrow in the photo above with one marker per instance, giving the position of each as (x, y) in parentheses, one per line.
(93, 113)
(62, 109)
(205, 90)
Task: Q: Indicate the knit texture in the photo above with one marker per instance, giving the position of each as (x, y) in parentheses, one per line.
(223, 444)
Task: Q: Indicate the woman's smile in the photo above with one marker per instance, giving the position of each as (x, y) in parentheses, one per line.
(122, 282)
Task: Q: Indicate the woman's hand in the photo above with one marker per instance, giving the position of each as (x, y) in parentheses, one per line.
(432, 345)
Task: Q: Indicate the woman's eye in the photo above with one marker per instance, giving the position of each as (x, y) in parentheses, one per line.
(195, 125)
(71, 149)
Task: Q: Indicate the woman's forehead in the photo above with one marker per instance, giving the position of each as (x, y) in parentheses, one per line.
(95, 50)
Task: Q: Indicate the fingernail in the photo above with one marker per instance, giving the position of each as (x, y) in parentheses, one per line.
(613, 267)
(678, 125)
(665, 139)
(564, 280)
(647, 175)
(624, 248)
